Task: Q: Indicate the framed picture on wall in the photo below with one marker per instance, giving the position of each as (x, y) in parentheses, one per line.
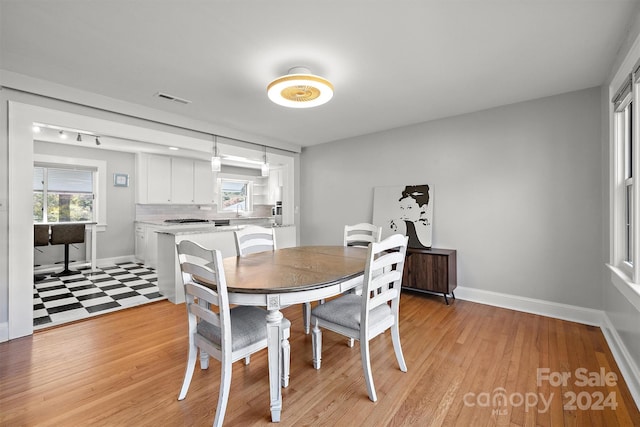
(405, 209)
(120, 180)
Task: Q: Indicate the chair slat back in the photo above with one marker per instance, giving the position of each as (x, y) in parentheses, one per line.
(383, 274)
(205, 285)
(253, 239)
(361, 234)
(201, 308)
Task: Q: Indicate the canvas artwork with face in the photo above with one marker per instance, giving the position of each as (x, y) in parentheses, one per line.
(406, 210)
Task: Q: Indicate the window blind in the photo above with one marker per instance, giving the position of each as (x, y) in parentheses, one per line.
(233, 187)
(38, 179)
(69, 181)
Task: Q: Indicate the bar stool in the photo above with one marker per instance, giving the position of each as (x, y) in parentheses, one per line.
(66, 234)
(40, 238)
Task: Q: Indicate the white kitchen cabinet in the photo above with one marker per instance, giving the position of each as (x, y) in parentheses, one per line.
(140, 243)
(158, 179)
(163, 179)
(286, 237)
(151, 238)
(275, 186)
(203, 183)
(181, 181)
(146, 244)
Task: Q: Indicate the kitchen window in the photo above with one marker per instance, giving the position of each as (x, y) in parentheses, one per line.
(235, 195)
(63, 195)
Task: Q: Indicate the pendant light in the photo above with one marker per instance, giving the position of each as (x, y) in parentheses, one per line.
(216, 162)
(265, 165)
(300, 89)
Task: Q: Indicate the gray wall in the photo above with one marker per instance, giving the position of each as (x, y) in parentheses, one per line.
(118, 238)
(517, 191)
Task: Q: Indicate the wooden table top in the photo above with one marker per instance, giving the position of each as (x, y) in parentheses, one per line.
(293, 269)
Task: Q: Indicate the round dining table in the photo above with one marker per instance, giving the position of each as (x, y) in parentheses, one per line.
(279, 278)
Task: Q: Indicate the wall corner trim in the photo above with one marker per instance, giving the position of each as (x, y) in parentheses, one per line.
(4, 332)
(630, 371)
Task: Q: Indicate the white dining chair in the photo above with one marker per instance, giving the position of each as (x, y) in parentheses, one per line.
(254, 238)
(363, 317)
(229, 335)
(361, 234)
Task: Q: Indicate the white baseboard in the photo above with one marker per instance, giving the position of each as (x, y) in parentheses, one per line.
(556, 310)
(588, 316)
(104, 262)
(4, 332)
(629, 369)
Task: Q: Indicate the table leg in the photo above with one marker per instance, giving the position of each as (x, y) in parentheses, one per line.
(274, 324)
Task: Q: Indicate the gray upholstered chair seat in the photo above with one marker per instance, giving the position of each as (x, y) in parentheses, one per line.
(248, 326)
(345, 311)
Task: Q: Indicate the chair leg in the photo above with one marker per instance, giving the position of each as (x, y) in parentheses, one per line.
(225, 386)
(366, 366)
(188, 374)
(204, 360)
(395, 337)
(306, 317)
(285, 347)
(316, 341)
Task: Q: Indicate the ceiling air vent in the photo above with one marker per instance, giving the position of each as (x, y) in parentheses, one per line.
(168, 97)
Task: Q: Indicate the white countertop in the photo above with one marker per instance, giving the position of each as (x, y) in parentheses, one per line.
(195, 229)
(162, 223)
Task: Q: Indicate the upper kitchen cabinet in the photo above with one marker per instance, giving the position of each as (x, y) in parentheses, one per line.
(203, 183)
(275, 186)
(155, 180)
(182, 181)
(163, 179)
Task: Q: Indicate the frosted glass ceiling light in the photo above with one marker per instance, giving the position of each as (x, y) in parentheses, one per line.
(300, 89)
(216, 162)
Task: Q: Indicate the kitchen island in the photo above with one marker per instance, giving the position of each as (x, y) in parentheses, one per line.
(220, 238)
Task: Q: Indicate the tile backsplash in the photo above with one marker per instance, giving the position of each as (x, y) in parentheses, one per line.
(162, 212)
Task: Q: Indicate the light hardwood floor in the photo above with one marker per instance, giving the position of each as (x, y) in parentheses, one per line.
(126, 369)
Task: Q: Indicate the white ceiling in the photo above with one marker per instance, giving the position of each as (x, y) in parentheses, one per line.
(392, 63)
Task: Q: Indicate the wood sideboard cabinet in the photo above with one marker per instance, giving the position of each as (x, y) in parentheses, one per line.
(431, 270)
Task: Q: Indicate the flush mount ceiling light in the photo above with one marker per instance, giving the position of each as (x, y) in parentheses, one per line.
(300, 89)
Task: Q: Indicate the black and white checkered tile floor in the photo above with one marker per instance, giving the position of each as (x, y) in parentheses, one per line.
(91, 292)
